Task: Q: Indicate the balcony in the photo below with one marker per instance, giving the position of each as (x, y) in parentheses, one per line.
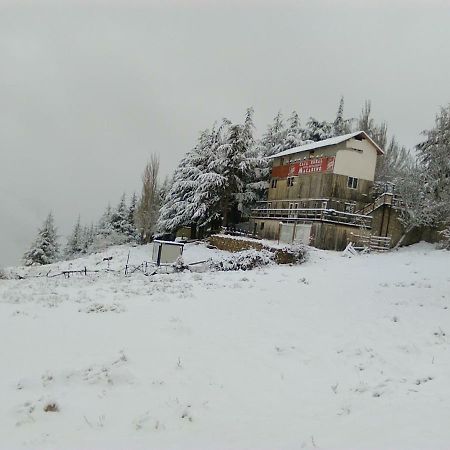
(313, 215)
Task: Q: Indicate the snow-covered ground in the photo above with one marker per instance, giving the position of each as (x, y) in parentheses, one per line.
(334, 353)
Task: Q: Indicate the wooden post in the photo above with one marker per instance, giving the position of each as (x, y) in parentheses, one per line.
(126, 265)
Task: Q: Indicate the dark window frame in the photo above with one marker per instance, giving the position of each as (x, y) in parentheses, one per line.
(352, 182)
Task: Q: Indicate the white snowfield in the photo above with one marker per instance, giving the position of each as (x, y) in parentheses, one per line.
(335, 353)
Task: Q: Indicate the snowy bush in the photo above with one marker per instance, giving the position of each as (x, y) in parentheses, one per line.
(245, 260)
(179, 265)
(3, 275)
(291, 254)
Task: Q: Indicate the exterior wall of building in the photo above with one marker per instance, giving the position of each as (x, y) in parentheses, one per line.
(267, 229)
(329, 236)
(319, 186)
(323, 174)
(357, 159)
(302, 156)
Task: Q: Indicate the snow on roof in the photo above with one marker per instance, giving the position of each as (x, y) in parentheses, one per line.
(326, 143)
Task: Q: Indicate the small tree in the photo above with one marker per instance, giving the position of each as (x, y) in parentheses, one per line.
(120, 220)
(75, 244)
(434, 154)
(341, 125)
(147, 209)
(89, 233)
(104, 227)
(45, 248)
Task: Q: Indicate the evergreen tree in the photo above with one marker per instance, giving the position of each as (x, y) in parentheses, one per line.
(88, 238)
(133, 233)
(104, 227)
(75, 244)
(228, 171)
(318, 131)
(273, 140)
(340, 125)
(295, 135)
(119, 218)
(211, 183)
(183, 205)
(45, 248)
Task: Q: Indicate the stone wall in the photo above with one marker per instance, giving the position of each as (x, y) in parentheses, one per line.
(230, 244)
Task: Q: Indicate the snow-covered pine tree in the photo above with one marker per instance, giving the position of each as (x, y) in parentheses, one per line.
(210, 182)
(45, 248)
(203, 208)
(295, 134)
(104, 227)
(119, 217)
(75, 245)
(318, 131)
(181, 206)
(341, 125)
(234, 163)
(273, 140)
(88, 239)
(133, 233)
(434, 154)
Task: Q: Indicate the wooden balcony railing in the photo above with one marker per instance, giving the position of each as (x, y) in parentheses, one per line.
(392, 200)
(313, 215)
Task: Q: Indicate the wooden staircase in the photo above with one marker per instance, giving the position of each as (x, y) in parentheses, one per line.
(384, 199)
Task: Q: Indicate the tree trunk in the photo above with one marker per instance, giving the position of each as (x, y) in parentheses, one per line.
(225, 211)
(193, 231)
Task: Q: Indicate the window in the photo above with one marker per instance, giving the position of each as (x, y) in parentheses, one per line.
(290, 181)
(261, 226)
(274, 183)
(352, 183)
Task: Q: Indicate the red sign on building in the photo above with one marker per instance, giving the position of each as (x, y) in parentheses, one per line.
(313, 165)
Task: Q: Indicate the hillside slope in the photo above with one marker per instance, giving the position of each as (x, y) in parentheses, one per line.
(334, 353)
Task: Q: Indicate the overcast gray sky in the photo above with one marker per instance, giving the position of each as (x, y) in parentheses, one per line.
(89, 89)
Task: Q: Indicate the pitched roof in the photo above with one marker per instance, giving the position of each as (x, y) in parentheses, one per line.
(327, 142)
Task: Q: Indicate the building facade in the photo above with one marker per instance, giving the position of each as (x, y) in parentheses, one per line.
(321, 194)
